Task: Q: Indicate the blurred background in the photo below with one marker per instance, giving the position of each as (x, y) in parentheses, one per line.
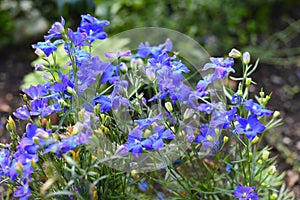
(269, 30)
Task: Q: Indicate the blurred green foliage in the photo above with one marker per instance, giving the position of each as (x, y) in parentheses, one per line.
(218, 25)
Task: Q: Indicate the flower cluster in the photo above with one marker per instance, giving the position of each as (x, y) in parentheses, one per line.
(83, 99)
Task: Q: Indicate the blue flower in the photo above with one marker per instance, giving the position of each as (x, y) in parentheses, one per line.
(122, 150)
(90, 68)
(117, 55)
(221, 66)
(41, 107)
(221, 118)
(236, 99)
(134, 142)
(105, 103)
(78, 40)
(156, 140)
(207, 137)
(93, 27)
(5, 162)
(22, 113)
(144, 49)
(82, 132)
(144, 123)
(244, 193)
(256, 109)
(143, 186)
(228, 167)
(23, 192)
(38, 91)
(56, 30)
(250, 127)
(47, 47)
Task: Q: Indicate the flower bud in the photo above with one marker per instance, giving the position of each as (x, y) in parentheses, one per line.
(150, 74)
(248, 82)
(19, 167)
(246, 57)
(276, 114)
(255, 140)
(24, 97)
(261, 93)
(123, 67)
(59, 27)
(97, 109)
(70, 90)
(3, 145)
(266, 100)
(210, 138)
(39, 67)
(134, 174)
(81, 115)
(188, 113)
(234, 53)
(62, 103)
(134, 63)
(273, 196)
(40, 52)
(33, 163)
(36, 140)
(240, 92)
(272, 169)
(147, 133)
(250, 155)
(169, 106)
(11, 126)
(225, 139)
(259, 162)
(265, 155)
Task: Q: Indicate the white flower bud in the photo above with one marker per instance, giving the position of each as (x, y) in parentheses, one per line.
(234, 53)
(246, 57)
(169, 106)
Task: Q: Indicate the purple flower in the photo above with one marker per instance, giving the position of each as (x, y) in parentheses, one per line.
(236, 99)
(23, 192)
(38, 91)
(41, 107)
(228, 167)
(82, 134)
(78, 40)
(56, 30)
(250, 127)
(22, 113)
(144, 123)
(5, 162)
(105, 103)
(244, 193)
(256, 109)
(109, 74)
(93, 27)
(205, 107)
(222, 118)
(144, 49)
(207, 137)
(117, 55)
(221, 66)
(155, 141)
(143, 186)
(47, 47)
(134, 142)
(122, 150)
(87, 74)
